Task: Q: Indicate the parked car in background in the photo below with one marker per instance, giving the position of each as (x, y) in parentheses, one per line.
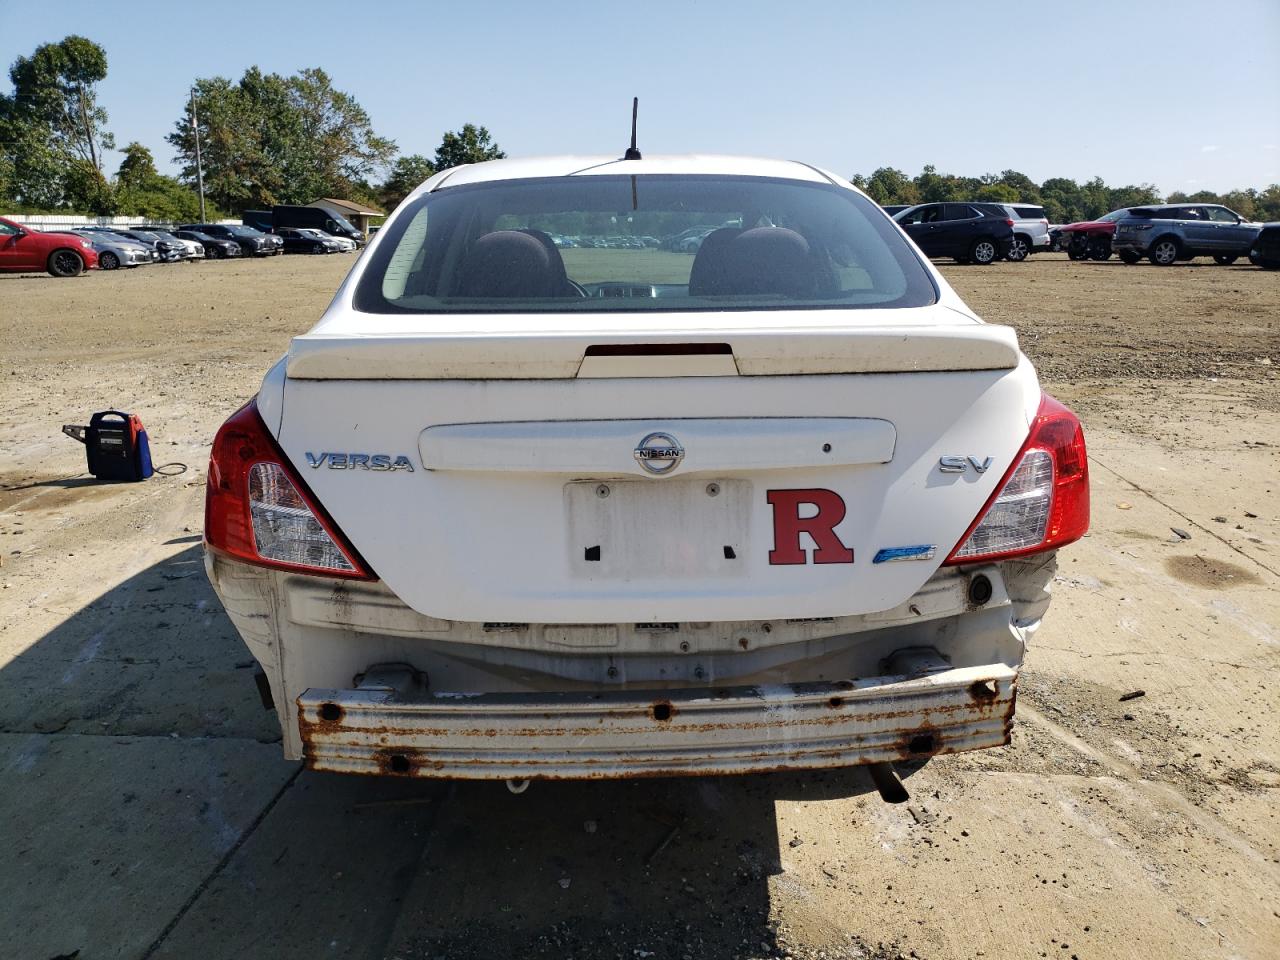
(302, 241)
(1030, 230)
(966, 232)
(251, 241)
(1091, 239)
(1169, 232)
(170, 250)
(1265, 251)
(195, 249)
(115, 251)
(545, 545)
(686, 241)
(216, 248)
(346, 243)
(24, 250)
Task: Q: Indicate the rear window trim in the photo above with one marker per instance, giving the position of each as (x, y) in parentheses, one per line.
(372, 272)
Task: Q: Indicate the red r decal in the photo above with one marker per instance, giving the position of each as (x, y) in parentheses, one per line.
(788, 525)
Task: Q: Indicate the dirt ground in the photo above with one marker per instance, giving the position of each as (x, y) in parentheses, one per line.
(147, 812)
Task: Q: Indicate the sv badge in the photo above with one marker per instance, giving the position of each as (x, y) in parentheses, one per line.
(961, 464)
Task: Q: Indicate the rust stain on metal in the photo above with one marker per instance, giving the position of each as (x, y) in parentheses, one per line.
(429, 739)
(663, 711)
(983, 691)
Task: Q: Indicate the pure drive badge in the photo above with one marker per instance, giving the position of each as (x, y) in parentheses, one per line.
(381, 462)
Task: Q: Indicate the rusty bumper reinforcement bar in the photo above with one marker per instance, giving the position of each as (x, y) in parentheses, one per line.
(668, 733)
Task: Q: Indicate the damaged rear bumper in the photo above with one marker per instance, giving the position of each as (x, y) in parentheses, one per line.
(384, 727)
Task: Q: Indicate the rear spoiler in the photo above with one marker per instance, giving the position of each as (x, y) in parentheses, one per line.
(538, 355)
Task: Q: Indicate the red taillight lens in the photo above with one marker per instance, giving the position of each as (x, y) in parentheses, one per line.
(1009, 222)
(257, 509)
(1042, 502)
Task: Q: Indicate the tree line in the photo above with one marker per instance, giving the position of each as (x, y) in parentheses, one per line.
(265, 139)
(1064, 200)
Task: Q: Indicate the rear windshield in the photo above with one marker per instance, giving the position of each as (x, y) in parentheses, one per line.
(641, 243)
(1029, 213)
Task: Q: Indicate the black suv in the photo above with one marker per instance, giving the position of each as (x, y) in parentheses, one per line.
(251, 241)
(1265, 252)
(968, 232)
(1171, 232)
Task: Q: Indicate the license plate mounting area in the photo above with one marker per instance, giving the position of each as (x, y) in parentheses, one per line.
(658, 529)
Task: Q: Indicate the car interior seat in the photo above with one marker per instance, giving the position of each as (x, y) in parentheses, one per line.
(763, 260)
(514, 264)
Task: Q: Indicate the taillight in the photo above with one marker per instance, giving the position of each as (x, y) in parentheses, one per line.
(1042, 502)
(258, 509)
(1008, 221)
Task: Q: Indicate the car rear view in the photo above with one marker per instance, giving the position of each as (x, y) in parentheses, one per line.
(529, 502)
(1030, 230)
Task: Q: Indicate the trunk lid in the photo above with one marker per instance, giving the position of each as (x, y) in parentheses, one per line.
(654, 468)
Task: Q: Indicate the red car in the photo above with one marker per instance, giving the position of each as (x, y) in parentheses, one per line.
(1091, 239)
(24, 250)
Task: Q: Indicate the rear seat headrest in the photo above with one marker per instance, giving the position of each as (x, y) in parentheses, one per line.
(762, 260)
(513, 264)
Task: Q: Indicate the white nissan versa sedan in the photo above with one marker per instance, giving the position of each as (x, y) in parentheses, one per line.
(521, 507)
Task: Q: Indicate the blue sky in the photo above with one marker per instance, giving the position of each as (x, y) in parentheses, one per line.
(1185, 95)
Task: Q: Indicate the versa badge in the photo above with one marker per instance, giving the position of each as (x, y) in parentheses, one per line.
(381, 462)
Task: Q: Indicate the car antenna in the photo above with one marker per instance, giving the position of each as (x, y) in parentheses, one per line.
(633, 153)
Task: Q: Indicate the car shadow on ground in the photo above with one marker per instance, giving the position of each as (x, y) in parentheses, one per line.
(147, 694)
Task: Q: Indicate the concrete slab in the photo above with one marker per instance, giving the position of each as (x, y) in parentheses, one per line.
(147, 654)
(321, 876)
(105, 838)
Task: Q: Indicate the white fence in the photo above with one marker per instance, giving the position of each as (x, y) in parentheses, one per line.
(60, 221)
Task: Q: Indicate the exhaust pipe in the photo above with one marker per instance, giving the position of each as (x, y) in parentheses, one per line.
(520, 786)
(886, 780)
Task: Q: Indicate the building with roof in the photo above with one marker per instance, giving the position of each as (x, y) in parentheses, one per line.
(358, 214)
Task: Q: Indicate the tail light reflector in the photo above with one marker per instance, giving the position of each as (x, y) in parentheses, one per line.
(1042, 502)
(257, 509)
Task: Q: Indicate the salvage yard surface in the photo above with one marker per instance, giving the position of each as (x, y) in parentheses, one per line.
(147, 812)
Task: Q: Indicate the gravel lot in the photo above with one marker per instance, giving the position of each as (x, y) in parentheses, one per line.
(147, 811)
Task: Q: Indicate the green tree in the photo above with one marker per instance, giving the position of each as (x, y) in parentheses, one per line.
(331, 144)
(936, 187)
(471, 144)
(1267, 204)
(997, 193)
(406, 174)
(889, 185)
(272, 139)
(1132, 196)
(1026, 189)
(52, 128)
(235, 168)
(141, 191)
(1061, 199)
(138, 168)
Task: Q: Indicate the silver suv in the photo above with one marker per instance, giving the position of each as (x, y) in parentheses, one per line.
(1170, 232)
(1030, 230)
